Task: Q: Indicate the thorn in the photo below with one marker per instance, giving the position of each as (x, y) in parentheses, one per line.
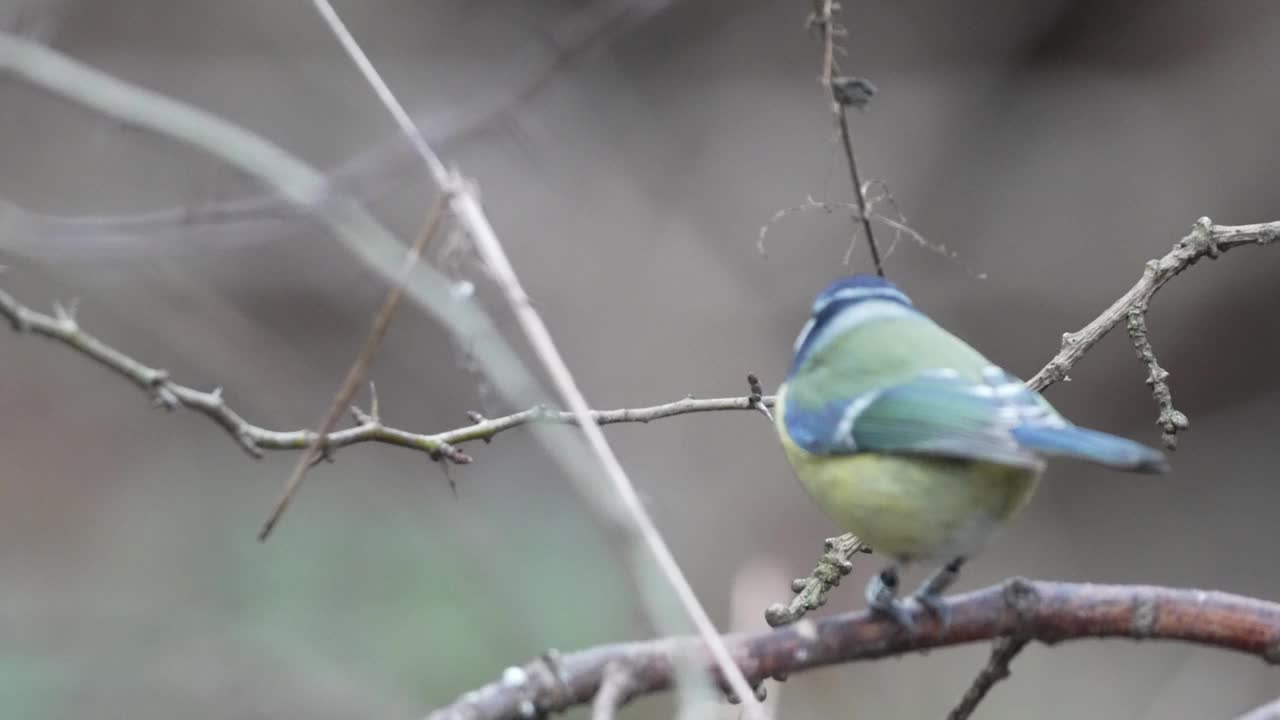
(248, 444)
(66, 314)
(374, 413)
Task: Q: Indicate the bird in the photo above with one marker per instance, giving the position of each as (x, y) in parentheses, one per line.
(909, 438)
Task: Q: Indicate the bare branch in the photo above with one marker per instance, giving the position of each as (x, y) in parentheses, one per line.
(1049, 612)
(1205, 240)
(845, 92)
(846, 140)
(254, 439)
(623, 508)
(1003, 651)
(1170, 420)
(360, 366)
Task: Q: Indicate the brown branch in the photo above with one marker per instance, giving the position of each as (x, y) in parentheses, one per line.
(1003, 651)
(360, 366)
(1205, 240)
(1049, 612)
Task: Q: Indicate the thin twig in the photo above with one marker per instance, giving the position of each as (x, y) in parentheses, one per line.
(1003, 651)
(821, 18)
(1205, 240)
(845, 93)
(615, 691)
(624, 509)
(898, 224)
(359, 369)
(811, 591)
(1171, 420)
(1045, 611)
(255, 439)
(846, 140)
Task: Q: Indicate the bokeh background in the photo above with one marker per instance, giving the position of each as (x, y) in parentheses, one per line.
(628, 158)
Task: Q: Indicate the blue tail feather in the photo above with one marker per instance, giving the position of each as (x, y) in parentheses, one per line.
(1092, 446)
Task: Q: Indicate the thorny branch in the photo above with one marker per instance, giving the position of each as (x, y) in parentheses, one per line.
(64, 328)
(360, 367)
(1049, 612)
(1204, 240)
(1170, 420)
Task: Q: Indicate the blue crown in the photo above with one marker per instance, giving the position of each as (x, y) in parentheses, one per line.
(854, 289)
(829, 311)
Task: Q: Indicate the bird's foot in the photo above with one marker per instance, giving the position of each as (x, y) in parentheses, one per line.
(882, 599)
(930, 593)
(936, 606)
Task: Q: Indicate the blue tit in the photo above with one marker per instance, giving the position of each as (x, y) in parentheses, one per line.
(912, 440)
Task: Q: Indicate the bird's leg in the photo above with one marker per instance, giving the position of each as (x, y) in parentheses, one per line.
(882, 597)
(930, 593)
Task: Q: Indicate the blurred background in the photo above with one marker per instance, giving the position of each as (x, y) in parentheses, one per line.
(628, 154)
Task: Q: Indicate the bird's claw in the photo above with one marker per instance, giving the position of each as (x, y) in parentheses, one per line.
(938, 608)
(897, 611)
(882, 599)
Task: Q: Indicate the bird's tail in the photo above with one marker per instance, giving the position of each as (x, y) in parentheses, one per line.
(1092, 446)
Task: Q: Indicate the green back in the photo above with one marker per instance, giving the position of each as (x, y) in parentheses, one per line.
(881, 353)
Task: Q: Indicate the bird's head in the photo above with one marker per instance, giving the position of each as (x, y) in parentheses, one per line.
(844, 304)
(850, 291)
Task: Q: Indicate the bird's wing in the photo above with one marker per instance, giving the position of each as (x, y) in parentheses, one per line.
(939, 413)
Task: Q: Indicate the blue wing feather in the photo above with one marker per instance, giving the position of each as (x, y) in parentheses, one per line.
(944, 415)
(1098, 447)
(935, 414)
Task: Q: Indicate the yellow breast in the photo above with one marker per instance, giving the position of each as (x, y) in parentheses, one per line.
(911, 507)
